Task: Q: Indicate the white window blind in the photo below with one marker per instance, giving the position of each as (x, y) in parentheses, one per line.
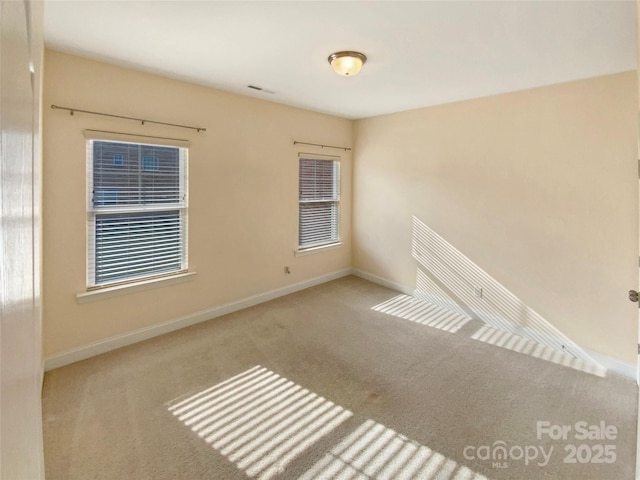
(318, 202)
(137, 211)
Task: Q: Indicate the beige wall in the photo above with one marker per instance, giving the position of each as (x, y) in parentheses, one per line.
(538, 190)
(243, 195)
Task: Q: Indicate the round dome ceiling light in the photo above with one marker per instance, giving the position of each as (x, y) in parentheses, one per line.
(347, 63)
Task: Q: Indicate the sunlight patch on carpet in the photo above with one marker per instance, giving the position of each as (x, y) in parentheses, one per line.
(424, 313)
(373, 451)
(259, 420)
(519, 344)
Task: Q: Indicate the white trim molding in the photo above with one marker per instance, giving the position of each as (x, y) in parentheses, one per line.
(322, 248)
(140, 286)
(612, 365)
(382, 281)
(102, 346)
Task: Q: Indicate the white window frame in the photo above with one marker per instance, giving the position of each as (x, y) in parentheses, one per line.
(94, 212)
(309, 247)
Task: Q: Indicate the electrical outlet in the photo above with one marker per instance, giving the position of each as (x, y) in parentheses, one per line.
(477, 291)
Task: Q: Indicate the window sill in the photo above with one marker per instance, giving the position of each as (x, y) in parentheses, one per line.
(110, 292)
(321, 248)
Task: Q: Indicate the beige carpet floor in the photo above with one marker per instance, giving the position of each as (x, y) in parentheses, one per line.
(345, 380)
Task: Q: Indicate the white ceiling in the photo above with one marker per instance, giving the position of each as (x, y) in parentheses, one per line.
(420, 53)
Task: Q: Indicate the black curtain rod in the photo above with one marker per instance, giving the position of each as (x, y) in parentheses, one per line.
(141, 120)
(346, 149)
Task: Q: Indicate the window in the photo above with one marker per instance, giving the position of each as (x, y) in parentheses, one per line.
(318, 202)
(150, 163)
(137, 210)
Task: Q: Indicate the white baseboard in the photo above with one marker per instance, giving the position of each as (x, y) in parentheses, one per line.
(611, 364)
(112, 343)
(614, 365)
(382, 281)
(81, 353)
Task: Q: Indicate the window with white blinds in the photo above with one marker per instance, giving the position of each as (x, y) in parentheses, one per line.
(137, 211)
(319, 202)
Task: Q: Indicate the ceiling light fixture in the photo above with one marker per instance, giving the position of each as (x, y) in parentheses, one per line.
(347, 63)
